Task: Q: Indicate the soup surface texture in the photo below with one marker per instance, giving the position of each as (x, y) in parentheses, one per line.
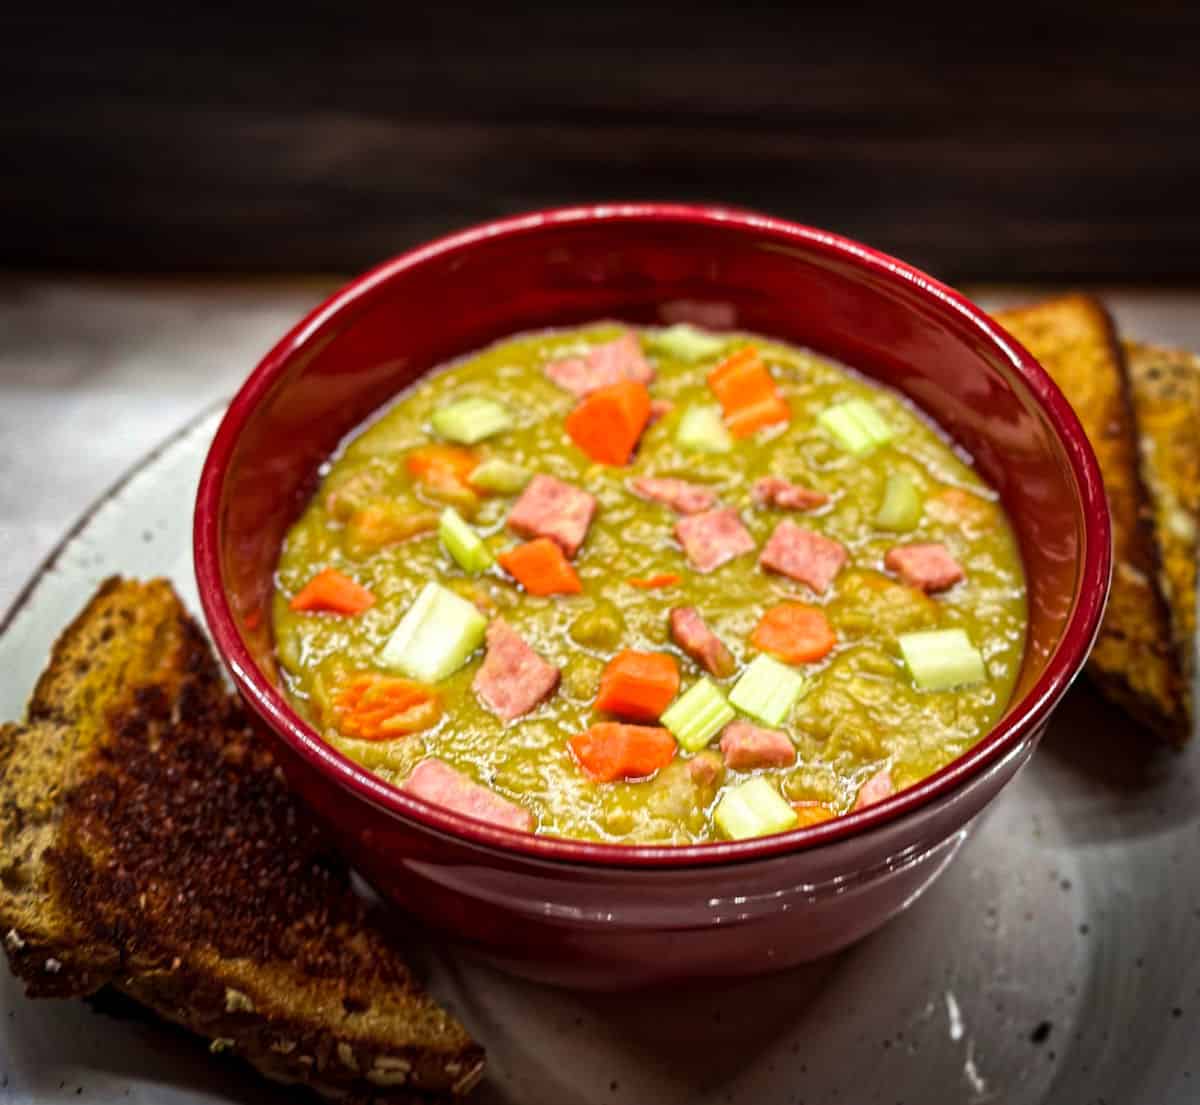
(774, 592)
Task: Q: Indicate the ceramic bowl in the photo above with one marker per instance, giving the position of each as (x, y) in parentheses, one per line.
(601, 915)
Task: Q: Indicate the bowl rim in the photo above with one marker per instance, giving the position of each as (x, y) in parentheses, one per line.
(1063, 665)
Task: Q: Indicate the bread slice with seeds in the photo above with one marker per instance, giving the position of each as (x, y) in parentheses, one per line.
(148, 842)
(1134, 662)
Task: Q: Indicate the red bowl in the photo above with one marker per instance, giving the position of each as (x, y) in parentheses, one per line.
(605, 915)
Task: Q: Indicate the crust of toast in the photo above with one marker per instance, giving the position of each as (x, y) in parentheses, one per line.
(1165, 386)
(1133, 662)
(148, 842)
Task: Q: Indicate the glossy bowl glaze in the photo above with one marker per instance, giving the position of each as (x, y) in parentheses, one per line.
(600, 915)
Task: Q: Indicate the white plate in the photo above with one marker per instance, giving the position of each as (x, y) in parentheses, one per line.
(1074, 907)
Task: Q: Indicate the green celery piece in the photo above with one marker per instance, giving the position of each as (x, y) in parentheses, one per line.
(467, 421)
(698, 715)
(939, 659)
(702, 430)
(868, 417)
(845, 429)
(753, 808)
(767, 690)
(436, 636)
(856, 425)
(501, 476)
(687, 343)
(902, 504)
(463, 543)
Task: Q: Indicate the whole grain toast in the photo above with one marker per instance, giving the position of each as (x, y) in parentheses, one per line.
(1165, 386)
(148, 842)
(1133, 662)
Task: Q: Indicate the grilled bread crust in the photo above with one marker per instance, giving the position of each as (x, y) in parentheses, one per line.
(148, 842)
(1165, 385)
(1133, 663)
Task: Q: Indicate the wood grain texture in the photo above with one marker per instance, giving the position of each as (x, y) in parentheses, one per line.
(1065, 144)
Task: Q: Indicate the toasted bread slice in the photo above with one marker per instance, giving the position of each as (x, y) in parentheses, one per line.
(1133, 662)
(1165, 386)
(148, 842)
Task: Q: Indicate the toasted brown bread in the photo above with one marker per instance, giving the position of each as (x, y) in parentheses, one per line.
(1165, 386)
(1133, 661)
(147, 841)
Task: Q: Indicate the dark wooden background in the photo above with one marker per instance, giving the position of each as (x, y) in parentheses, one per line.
(979, 141)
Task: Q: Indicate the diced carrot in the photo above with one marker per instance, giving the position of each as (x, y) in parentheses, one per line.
(638, 685)
(740, 378)
(541, 568)
(381, 707)
(334, 593)
(754, 416)
(650, 583)
(794, 632)
(747, 393)
(610, 750)
(608, 423)
(450, 459)
(812, 813)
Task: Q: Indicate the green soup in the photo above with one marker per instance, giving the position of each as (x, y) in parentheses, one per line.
(870, 701)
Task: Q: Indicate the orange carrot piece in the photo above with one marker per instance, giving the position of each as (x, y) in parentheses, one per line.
(747, 393)
(334, 593)
(650, 583)
(381, 707)
(795, 633)
(610, 750)
(541, 568)
(741, 377)
(608, 423)
(638, 685)
(449, 460)
(766, 412)
(812, 813)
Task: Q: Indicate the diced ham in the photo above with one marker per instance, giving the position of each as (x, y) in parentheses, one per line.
(690, 633)
(551, 508)
(747, 746)
(803, 555)
(875, 789)
(712, 538)
(706, 768)
(705, 313)
(928, 567)
(687, 498)
(610, 363)
(513, 678)
(437, 782)
(659, 408)
(778, 492)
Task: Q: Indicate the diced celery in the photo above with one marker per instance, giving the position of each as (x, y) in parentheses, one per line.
(467, 421)
(463, 543)
(939, 659)
(500, 475)
(687, 342)
(869, 418)
(767, 690)
(698, 715)
(857, 426)
(753, 808)
(702, 430)
(902, 504)
(435, 637)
